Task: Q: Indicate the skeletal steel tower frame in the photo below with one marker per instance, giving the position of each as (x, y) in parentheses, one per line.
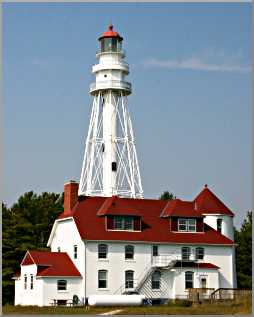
(110, 165)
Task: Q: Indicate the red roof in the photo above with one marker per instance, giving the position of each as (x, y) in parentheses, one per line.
(208, 203)
(110, 33)
(154, 227)
(178, 207)
(196, 265)
(51, 263)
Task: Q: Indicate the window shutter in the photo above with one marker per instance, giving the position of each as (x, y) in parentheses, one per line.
(200, 225)
(173, 224)
(110, 223)
(137, 223)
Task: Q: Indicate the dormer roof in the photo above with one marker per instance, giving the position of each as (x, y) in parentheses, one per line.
(180, 208)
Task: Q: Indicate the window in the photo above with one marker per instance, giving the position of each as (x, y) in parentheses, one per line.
(185, 253)
(58, 249)
(188, 279)
(188, 225)
(102, 251)
(219, 225)
(75, 251)
(102, 278)
(129, 252)
(114, 167)
(123, 223)
(129, 223)
(61, 285)
(119, 223)
(25, 281)
(31, 281)
(155, 250)
(129, 282)
(199, 253)
(156, 280)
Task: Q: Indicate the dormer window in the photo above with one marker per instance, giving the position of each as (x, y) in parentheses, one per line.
(125, 223)
(187, 225)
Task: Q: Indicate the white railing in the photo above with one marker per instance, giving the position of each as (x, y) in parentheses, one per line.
(122, 52)
(168, 259)
(107, 84)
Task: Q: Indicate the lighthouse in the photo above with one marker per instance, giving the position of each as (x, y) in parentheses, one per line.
(110, 166)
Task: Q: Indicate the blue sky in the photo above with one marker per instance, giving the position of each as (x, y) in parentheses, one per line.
(190, 106)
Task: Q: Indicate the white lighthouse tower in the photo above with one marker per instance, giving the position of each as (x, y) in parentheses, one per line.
(110, 165)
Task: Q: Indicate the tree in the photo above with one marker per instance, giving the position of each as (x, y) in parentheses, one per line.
(166, 195)
(26, 225)
(243, 239)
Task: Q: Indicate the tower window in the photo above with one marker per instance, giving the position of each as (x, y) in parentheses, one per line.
(114, 166)
(75, 251)
(105, 75)
(219, 225)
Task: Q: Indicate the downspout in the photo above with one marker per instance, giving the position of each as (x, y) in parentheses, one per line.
(85, 279)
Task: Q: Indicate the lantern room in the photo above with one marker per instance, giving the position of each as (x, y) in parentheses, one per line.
(110, 41)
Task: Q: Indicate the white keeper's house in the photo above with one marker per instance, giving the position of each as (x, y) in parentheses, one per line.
(109, 238)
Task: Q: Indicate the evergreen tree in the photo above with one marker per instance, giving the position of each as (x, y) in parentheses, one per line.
(26, 226)
(167, 196)
(243, 239)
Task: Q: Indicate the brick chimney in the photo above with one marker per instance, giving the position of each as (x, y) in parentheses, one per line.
(70, 195)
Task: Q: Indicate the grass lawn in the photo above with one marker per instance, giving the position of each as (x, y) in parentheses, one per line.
(222, 308)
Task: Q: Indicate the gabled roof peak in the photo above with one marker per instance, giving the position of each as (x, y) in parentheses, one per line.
(208, 203)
